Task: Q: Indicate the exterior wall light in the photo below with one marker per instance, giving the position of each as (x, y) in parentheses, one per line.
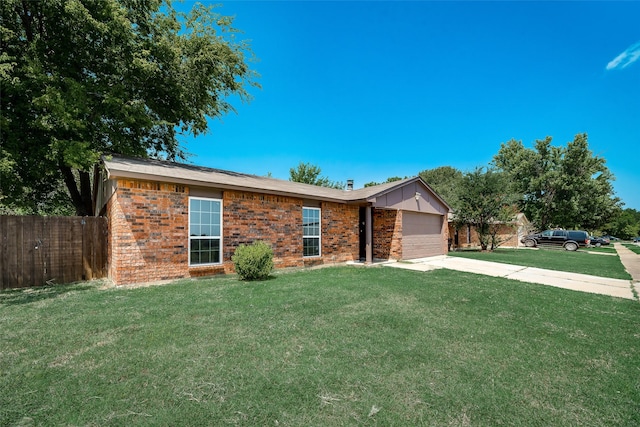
(417, 196)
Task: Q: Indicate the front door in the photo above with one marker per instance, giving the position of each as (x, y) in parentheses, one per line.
(362, 232)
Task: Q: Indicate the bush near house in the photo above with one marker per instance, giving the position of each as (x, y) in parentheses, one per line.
(254, 261)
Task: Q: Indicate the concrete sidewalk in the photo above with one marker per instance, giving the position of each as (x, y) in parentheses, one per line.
(560, 279)
(631, 262)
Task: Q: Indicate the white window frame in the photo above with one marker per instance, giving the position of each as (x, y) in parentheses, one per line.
(191, 238)
(308, 236)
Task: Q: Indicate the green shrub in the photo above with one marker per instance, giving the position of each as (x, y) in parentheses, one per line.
(254, 261)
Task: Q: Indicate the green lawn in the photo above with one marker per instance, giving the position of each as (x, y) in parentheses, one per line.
(609, 249)
(635, 248)
(555, 259)
(329, 347)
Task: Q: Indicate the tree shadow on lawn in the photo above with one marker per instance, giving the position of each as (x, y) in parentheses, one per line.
(34, 294)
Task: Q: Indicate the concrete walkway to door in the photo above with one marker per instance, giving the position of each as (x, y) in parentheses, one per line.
(561, 279)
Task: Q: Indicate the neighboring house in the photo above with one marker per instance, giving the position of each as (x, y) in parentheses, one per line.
(170, 220)
(509, 233)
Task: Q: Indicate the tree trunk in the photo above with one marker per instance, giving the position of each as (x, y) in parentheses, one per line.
(82, 198)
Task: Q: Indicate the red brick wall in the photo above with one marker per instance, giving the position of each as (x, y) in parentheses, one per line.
(387, 234)
(276, 220)
(340, 240)
(148, 225)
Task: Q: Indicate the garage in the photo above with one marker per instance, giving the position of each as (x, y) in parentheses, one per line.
(421, 235)
(401, 220)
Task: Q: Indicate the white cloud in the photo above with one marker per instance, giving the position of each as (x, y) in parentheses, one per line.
(626, 58)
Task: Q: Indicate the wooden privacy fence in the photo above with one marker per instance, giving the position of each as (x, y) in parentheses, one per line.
(38, 250)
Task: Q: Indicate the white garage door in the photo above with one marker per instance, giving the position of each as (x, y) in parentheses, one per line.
(421, 235)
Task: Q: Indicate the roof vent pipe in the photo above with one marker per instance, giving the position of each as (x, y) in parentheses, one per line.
(349, 184)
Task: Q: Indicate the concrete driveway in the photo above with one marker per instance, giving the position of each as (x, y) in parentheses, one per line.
(560, 279)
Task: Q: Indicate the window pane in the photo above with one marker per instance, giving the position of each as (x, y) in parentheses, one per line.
(205, 257)
(310, 246)
(204, 251)
(194, 253)
(310, 222)
(205, 231)
(195, 258)
(310, 232)
(215, 208)
(215, 250)
(205, 218)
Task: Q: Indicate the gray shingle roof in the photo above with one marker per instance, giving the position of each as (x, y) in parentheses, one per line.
(179, 173)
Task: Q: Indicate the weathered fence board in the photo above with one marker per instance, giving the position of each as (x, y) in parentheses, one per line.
(38, 250)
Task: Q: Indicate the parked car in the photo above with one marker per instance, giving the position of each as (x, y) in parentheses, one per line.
(571, 240)
(598, 241)
(610, 238)
(636, 239)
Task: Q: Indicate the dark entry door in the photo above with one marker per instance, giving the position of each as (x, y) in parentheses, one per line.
(363, 235)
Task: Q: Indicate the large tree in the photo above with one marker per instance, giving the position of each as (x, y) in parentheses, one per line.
(390, 179)
(625, 225)
(560, 186)
(81, 78)
(308, 173)
(445, 180)
(486, 203)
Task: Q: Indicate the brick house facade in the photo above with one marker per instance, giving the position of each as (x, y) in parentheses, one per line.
(151, 228)
(388, 226)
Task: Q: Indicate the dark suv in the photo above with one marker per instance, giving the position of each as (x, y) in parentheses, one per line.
(568, 239)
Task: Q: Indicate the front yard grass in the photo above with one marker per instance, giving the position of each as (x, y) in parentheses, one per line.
(335, 346)
(554, 259)
(633, 247)
(609, 249)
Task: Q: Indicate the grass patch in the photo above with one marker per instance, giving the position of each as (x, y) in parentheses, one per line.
(555, 259)
(601, 249)
(336, 346)
(633, 247)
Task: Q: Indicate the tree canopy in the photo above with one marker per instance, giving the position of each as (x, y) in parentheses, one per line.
(390, 179)
(446, 181)
(486, 203)
(625, 225)
(565, 187)
(81, 78)
(308, 173)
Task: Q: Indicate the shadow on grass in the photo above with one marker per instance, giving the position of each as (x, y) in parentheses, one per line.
(30, 295)
(465, 250)
(265, 279)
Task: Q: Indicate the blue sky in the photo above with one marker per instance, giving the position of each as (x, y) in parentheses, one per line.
(369, 90)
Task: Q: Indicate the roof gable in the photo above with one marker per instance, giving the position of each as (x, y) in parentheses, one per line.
(374, 192)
